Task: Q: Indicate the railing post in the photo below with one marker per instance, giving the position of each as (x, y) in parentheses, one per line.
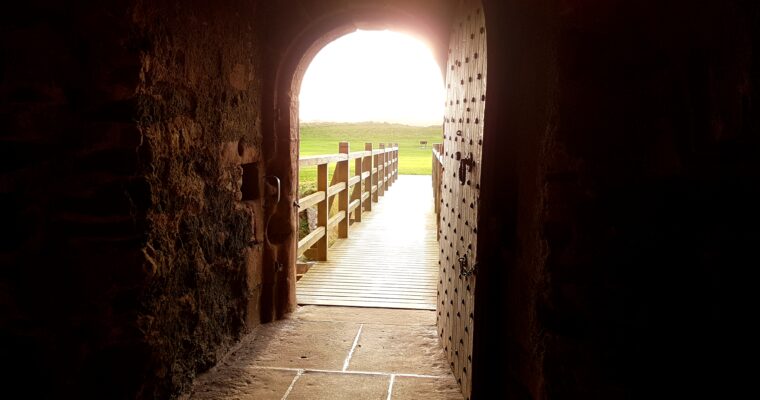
(341, 176)
(395, 162)
(389, 159)
(369, 164)
(386, 171)
(392, 158)
(381, 171)
(322, 212)
(390, 165)
(386, 158)
(356, 194)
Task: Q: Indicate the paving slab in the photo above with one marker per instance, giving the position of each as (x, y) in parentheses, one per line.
(316, 341)
(399, 349)
(414, 388)
(328, 386)
(298, 344)
(242, 384)
(365, 315)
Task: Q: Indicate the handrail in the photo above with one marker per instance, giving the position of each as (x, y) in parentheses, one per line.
(307, 161)
(375, 170)
(320, 159)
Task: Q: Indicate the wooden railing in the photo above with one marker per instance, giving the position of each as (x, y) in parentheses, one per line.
(437, 177)
(375, 170)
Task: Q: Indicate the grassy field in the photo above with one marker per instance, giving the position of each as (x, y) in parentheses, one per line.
(323, 138)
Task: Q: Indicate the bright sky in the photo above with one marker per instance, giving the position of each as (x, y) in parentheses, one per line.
(379, 76)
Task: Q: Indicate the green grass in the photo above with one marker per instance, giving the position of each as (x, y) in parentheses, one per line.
(323, 138)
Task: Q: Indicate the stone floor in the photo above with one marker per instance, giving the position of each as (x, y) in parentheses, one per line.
(336, 353)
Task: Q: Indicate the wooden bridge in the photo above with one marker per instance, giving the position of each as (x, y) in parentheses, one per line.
(390, 258)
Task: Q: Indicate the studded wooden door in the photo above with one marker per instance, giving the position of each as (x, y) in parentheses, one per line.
(463, 140)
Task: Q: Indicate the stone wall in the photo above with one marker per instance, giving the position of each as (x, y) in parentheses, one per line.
(72, 202)
(199, 102)
(134, 254)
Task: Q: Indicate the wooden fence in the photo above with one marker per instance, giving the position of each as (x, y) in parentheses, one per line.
(437, 177)
(375, 170)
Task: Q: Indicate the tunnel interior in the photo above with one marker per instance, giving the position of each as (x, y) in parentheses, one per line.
(618, 191)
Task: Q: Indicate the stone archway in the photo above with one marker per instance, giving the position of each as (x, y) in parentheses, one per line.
(424, 18)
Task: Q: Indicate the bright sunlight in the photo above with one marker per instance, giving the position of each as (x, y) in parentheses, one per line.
(378, 76)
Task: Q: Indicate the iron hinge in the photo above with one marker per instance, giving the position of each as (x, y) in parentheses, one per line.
(464, 269)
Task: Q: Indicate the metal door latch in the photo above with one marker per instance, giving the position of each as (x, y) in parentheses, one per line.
(278, 186)
(465, 166)
(464, 269)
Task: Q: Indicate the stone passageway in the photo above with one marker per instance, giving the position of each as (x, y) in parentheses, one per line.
(324, 352)
(328, 351)
(617, 201)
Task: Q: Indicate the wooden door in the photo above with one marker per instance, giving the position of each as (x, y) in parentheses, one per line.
(460, 187)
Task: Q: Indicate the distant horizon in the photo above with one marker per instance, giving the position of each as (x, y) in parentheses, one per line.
(302, 122)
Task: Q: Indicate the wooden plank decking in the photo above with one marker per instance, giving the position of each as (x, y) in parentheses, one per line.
(390, 259)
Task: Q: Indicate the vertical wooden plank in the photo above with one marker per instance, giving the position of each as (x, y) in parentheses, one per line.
(395, 163)
(381, 171)
(391, 155)
(389, 175)
(395, 169)
(356, 192)
(322, 212)
(368, 165)
(375, 176)
(387, 165)
(341, 176)
(390, 166)
(388, 150)
(392, 171)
